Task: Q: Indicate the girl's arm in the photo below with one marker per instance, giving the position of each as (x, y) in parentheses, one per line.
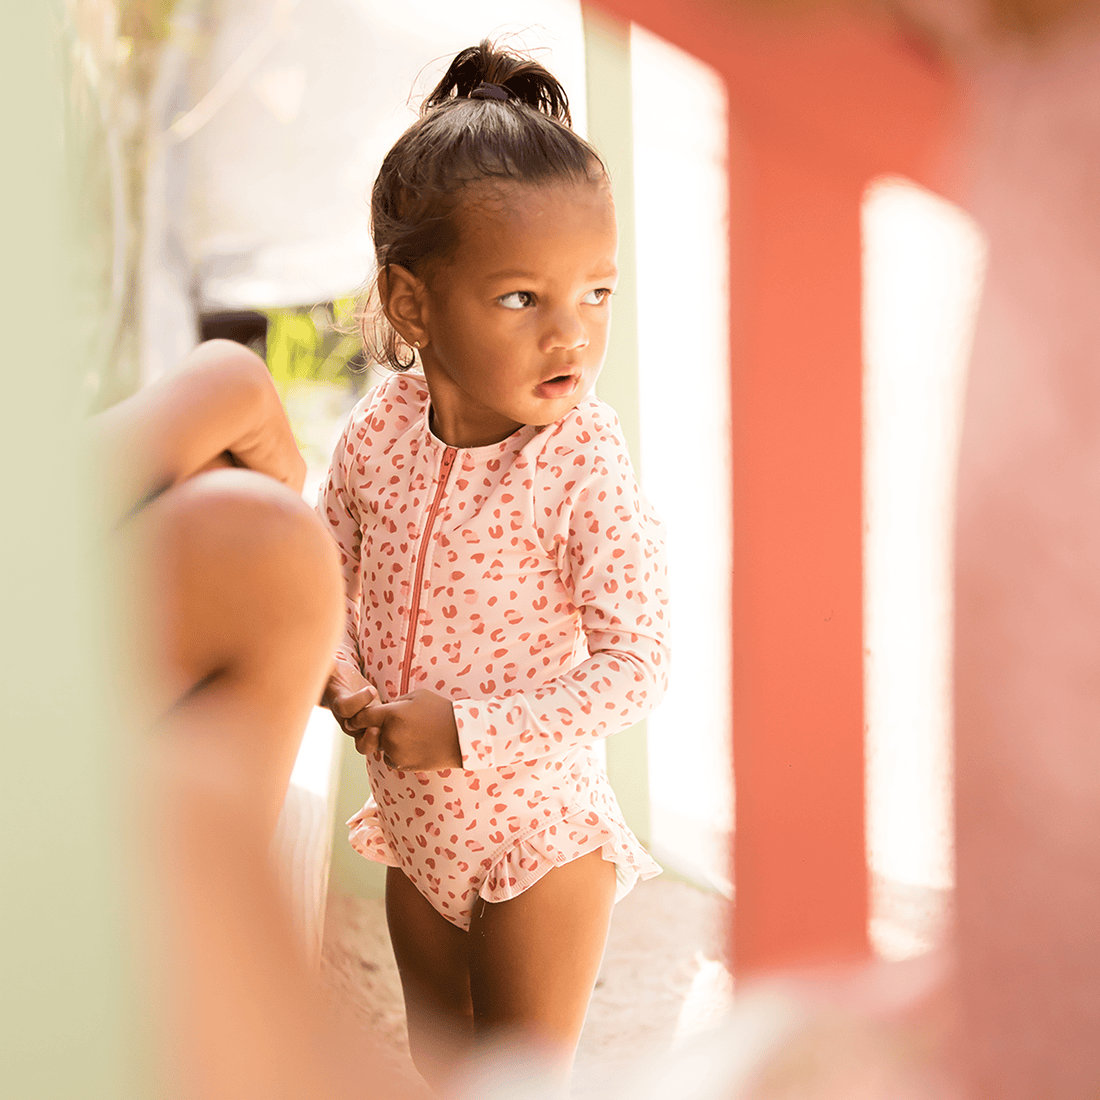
(340, 516)
(219, 409)
(611, 550)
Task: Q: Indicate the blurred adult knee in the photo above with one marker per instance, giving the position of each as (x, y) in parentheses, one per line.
(240, 564)
(222, 351)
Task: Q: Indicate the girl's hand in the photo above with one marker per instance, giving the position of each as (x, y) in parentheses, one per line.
(348, 694)
(415, 733)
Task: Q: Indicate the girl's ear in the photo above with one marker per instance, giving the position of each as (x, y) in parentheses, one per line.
(404, 302)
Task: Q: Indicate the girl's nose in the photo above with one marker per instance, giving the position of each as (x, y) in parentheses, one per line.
(565, 332)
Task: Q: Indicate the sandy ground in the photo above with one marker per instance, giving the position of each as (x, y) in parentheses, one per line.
(662, 979)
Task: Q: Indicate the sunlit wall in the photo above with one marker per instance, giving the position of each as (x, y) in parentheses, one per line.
(923, 265)
(683, 364)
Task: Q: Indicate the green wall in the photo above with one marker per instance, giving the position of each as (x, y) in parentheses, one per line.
(68, 1004)
(610, 129)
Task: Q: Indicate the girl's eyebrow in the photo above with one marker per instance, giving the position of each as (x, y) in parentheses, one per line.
(515, 273)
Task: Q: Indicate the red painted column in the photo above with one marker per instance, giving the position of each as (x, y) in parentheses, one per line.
(801, 878)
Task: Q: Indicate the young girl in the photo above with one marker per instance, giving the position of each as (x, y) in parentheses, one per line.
(505, 576)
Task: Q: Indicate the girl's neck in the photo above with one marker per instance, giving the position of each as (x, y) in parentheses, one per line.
(456, 434)
(457, 421)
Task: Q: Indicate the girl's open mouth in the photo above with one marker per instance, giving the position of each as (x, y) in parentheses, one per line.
(561, 385)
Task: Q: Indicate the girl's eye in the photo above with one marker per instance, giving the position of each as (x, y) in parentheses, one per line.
(597, 297)
(518, 299)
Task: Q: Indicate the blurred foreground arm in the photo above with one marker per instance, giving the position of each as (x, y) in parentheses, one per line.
(219, 409)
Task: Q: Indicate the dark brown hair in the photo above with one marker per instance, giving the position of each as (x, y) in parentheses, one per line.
(522, 134)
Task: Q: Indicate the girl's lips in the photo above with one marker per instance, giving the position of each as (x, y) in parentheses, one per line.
(561, 386)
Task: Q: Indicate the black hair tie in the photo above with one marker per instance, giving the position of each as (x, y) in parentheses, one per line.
(485, 90)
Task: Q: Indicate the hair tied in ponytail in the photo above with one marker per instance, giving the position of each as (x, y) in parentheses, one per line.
(485, 90)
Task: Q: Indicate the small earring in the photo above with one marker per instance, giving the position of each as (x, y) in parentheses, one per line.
(416, 344)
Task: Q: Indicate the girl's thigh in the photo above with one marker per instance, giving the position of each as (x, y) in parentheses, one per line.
(431, 956)
(534, 959)
(431, 952)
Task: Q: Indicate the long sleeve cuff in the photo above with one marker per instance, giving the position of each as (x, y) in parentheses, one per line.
(602, 696)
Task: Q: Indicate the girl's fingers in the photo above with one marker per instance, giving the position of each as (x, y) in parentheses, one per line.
(357, 722)
(375, 718)
(366, 741)
(354, 724)
(366, 697)
(344, 680)
(376, 714)
(347, 707)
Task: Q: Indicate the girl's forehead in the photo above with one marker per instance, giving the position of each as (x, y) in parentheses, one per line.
(506, 194)
(491, 213)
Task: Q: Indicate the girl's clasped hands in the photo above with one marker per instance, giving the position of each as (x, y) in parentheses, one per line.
(414, 733)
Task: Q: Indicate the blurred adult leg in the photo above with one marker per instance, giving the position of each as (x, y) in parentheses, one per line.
(242, 609)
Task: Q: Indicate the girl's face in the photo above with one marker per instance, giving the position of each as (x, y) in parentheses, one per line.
(516, 321)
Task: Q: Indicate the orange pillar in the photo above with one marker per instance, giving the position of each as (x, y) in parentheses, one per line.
(799, 864)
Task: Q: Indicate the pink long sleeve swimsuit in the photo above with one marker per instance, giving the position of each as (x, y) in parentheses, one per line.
(526, 582)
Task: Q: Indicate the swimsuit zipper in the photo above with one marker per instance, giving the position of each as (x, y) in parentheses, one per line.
(414, 610)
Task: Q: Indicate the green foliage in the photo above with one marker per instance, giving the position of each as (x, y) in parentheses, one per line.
(314, 345)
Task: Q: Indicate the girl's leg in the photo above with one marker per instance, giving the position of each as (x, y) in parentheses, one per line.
(534, 959)
(433, 959)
